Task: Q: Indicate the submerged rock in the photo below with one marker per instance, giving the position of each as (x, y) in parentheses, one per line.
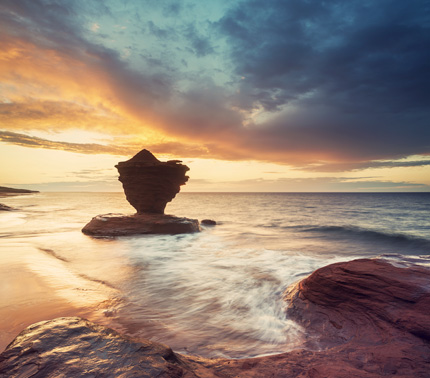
(208, 222)
(364, 318)
(149, 183)
(121, 225)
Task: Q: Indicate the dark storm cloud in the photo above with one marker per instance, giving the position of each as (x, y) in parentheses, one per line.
(200, 44)
(356, 73)
(160, 32)
(354, 50)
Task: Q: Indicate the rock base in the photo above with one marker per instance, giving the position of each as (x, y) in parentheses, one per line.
(123, 225)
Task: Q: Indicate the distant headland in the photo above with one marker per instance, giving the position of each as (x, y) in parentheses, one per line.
(6, 190)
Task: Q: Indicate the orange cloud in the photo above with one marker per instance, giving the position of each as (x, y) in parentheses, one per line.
(54, 78)
(118, 147)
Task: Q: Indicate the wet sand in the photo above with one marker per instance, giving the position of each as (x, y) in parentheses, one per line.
(25, 299)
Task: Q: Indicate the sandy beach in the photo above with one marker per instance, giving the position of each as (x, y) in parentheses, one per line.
(25, 299)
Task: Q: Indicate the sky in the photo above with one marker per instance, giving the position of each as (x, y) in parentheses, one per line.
(252, 95)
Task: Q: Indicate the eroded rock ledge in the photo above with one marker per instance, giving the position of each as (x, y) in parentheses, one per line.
(365, 319)
(122, 225)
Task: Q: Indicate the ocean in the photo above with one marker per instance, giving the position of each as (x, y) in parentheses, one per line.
(217, 293)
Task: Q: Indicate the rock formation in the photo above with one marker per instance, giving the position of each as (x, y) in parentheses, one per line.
(365, 319)
(122, 225)
(149, 183)
(361, 301)
(73, 347)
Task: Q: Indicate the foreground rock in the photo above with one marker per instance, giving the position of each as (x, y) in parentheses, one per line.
(73, 347)
(149, 183)
(122, 225)
(365, 319)
(371, 316)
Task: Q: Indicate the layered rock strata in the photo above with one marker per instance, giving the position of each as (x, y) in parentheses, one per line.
(149, 183)
(364, 319)
(362, 301)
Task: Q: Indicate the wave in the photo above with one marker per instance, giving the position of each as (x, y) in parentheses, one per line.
(369, 235)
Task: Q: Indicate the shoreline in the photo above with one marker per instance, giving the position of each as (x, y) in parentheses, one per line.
(6, 192)
(364, 318)
(20, 285)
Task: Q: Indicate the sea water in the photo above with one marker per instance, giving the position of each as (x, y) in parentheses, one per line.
(217, 293)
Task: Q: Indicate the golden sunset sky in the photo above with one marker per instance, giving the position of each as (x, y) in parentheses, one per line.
(251, 95)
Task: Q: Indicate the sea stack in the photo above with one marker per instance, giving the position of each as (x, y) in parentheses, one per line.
(149, 183)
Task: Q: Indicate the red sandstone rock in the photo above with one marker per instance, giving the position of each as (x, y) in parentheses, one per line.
(149, 183)
(73, 347)
(362, 301)
(121, 225)
(365, 318)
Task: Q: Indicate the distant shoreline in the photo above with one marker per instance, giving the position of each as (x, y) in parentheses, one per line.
(6, 192)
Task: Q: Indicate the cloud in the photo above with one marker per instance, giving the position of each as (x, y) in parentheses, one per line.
(95, 27)
(35, 142)
(326, 84)
(319, 184)
(117, 147)
(341, 167)
(345, 81)
(45, 57)
(201, 45)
